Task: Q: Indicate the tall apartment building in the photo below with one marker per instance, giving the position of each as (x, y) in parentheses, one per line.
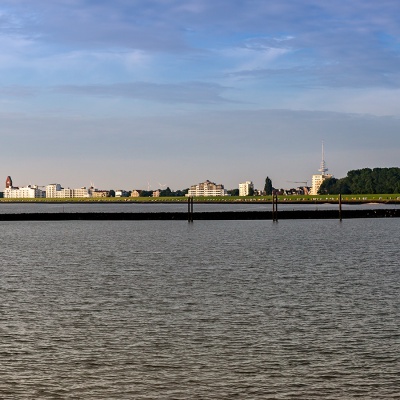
(245, 188)
(207, 188)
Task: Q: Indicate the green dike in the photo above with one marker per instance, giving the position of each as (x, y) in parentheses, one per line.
(348, 198)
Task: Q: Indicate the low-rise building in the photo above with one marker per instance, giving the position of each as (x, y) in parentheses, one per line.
(100, 193)
(121, 193)
(27, 192)
(55, 190)
(136, 193)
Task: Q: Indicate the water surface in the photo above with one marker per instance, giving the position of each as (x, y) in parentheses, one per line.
(17, 208)
(304, 309)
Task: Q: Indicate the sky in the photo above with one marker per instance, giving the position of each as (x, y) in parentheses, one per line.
(137, 94)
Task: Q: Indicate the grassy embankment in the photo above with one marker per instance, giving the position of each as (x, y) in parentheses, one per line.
(353, 198)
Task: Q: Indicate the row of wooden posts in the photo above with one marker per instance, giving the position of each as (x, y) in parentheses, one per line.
(274, 208)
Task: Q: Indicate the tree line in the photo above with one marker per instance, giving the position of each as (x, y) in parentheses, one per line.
(165, 193)
(364, 181)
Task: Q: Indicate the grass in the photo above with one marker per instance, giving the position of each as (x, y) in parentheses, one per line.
(353, 198)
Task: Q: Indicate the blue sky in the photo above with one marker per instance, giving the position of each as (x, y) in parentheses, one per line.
(126, 93)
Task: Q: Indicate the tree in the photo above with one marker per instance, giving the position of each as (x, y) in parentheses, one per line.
(181, 193)
(233, 192)
(364, 181)
(268, 187)
(167, 193)
(328, 186)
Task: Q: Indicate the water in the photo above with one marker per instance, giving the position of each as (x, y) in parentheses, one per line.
(16, 208)
(209, 310)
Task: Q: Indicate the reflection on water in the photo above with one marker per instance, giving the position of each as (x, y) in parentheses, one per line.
(210, 310)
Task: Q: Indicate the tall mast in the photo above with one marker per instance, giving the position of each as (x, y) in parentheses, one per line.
(323, 168)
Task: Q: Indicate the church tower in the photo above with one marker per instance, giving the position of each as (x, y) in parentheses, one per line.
(8, 182)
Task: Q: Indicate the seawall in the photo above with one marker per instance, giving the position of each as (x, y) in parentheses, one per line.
(218, 215)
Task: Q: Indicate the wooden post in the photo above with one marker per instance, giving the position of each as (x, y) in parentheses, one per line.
(340, 207)
(274, 207)
(190, 209)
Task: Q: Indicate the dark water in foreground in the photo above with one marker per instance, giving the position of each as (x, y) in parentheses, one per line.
(212, 310)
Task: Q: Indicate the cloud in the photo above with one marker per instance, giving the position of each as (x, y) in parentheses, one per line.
(192, 92)
(228, 54)
(17, 91)
(94, 25)
(310, 42)
(160, 25)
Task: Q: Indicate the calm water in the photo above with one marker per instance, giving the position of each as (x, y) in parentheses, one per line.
(210, 310)
(15, 208)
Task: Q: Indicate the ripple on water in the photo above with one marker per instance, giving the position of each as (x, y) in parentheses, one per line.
(213, 310)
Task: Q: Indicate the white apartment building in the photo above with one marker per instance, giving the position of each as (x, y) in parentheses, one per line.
(55, 190)
(27, 192)
(317, 182)
(52, 189)
(207, 188)
(244, 188)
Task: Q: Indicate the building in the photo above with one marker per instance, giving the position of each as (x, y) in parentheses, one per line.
(81, 192)
(55, 190)
(317, 179)
(121, 193)
(52, 189)
(27, 192)
(317, 182)
(207, 188)
(100, 193)
(246, 188)
(136, 193)
(8, 182)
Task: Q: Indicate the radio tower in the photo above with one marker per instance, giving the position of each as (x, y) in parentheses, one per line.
(323, 168)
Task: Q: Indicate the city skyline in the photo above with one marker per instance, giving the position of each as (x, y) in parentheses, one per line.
(180, 92)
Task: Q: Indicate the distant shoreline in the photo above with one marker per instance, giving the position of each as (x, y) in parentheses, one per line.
(348, 199)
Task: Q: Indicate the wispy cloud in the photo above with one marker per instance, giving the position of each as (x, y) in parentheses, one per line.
(338, 44)
(192, 92)
(17, 91)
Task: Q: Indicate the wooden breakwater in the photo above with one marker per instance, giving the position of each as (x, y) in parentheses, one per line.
(213, 215)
